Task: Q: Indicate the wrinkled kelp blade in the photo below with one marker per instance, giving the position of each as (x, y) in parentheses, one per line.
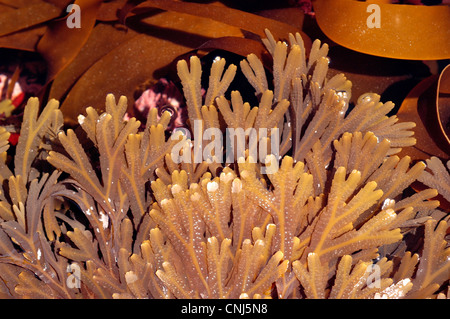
(27, 16)
(244, 20)
(405, 32)
(61, 43)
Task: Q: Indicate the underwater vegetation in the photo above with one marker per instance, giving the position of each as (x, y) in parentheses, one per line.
(144, 200)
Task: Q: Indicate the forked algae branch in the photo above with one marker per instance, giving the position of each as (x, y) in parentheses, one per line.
(109, 203)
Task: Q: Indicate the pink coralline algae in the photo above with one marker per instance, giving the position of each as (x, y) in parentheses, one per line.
(165, 96)
(17, 91)
(24, 87)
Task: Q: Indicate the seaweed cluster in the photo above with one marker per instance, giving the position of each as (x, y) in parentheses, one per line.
(110, 211)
